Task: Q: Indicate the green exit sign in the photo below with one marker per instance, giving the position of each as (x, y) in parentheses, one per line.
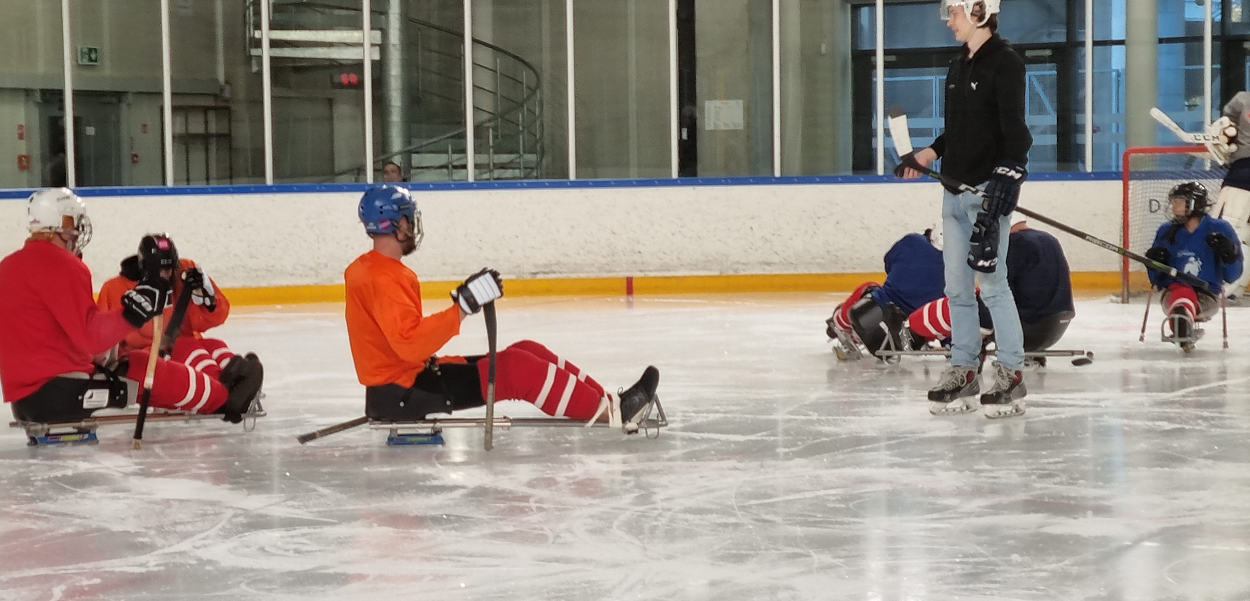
(88, 55)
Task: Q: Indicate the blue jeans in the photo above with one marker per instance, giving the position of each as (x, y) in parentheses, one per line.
(959, 212)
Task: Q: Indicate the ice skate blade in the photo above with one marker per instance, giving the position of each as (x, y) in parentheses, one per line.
(955, 407)
(1011, 409)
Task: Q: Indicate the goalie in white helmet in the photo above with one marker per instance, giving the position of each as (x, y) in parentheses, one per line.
(1233, 203)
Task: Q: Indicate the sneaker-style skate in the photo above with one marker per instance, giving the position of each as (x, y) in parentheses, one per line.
(1006, 397)
(637, 400)
(956, 391)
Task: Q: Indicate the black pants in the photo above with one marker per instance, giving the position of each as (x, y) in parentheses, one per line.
(439, 388)
(1046, 332)
(61, 399)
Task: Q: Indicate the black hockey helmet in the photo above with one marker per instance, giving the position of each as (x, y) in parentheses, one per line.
(1195, 196)
(157, 251)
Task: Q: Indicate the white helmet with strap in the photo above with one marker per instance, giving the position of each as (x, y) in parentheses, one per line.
(978, 11)
(56, 210)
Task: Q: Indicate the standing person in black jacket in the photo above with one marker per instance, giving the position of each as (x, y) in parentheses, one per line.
(985, 142)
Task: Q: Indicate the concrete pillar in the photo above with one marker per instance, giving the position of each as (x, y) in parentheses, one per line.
(1141, 75)
(395, 80)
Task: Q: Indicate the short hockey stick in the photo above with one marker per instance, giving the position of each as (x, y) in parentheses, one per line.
(902, 143)
(1224, 316)
(1192, 138)
(335, 429)
(162, 345)
(488, 312)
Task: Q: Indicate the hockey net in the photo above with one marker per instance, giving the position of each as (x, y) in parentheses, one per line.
(1149, 173)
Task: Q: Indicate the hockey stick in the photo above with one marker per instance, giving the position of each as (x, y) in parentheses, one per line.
(488, 312)
(1192, 138)
(335, 429)
(1224, 316)
(1146, 316)
(160, 339)
(902, 144)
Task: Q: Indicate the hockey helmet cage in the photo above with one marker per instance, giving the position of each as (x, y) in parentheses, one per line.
(382, 207)
(55, 210)
(978, 11)
(1195, 196)
(157, 251)
(934, 235)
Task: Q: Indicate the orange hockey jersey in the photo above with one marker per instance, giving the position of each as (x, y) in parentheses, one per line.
(197, 320)
(390, 338)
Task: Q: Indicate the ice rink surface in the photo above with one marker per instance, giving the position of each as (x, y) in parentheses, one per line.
(784, 475)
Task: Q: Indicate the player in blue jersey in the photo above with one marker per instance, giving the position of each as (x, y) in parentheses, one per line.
(1202, 246)
(914, 275)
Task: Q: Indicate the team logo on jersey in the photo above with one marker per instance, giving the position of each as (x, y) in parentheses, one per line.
(1193, 266)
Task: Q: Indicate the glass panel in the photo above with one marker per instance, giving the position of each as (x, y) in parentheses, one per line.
(520, 65)
(1180, 87)
(816, 90)
(734, 87)
(1109, 107)
(920, 93)
(203, 144)
(429, 127)
(623, 93)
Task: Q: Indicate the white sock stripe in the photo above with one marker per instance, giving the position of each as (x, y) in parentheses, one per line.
(941, 308)
(564, 398)
(219, 352)
(581, 377)
(193, 354)
(551, 380)
(192, 377)
(203, 397)
(202, 364)
(929, 329)
(560, 363)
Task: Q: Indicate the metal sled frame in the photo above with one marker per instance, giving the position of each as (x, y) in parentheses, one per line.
(892, 357)
(84, 432)
(845, 347)
(413, 432)
(1185, 342)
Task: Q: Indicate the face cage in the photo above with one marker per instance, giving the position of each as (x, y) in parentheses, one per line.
(83, 225)
(976, 10)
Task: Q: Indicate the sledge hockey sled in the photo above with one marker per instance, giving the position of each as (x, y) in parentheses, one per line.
(84, 431)
(1033, 358)
(1174, 321)
(429, 430)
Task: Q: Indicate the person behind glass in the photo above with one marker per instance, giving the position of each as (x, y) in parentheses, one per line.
(392, 172)
(985, 142)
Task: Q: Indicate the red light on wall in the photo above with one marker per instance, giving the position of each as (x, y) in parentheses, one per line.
(346, 80)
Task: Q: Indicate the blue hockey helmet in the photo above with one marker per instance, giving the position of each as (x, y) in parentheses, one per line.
(382, 207)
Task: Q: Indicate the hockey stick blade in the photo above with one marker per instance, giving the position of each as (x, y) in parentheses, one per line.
(1172, 126)
(899, 132)
(335, 429)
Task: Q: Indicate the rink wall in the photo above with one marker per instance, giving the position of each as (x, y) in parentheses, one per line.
(291, 243)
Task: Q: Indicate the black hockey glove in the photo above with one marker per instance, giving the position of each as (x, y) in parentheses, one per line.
(202, 290)
(1225, 249)
(1159, 254)
(1003, 189)
(145, 301)
(482, 287)
(983, 245)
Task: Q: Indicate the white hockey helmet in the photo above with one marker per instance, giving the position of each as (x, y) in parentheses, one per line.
(55, 210)
(978, 11)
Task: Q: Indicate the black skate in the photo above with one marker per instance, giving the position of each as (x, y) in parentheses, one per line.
(956, 391)
(637, 400)
(243, 377)
(1006, 397)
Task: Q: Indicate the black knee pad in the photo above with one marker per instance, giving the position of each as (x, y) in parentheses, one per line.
(1045, 333)
(867, 318)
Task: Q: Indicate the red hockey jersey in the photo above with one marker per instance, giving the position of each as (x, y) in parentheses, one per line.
(49, 323)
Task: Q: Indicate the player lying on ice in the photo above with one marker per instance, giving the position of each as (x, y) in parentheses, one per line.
(1037, 273)
(394, 344)
(52, 330)
(206, 360)
(913, 277)
(1200, 245)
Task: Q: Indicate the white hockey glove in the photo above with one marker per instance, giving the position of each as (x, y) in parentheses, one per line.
(202, 291)
(1226, 134)
(480, 288)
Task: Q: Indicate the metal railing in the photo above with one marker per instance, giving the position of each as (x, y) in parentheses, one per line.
(507, 100)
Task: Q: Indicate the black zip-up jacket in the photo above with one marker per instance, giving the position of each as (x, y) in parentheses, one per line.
(984, 113)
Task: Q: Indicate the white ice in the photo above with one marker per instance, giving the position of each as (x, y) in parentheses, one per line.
(784, 475)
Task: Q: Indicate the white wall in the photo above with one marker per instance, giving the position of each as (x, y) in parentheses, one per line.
(309, 238)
